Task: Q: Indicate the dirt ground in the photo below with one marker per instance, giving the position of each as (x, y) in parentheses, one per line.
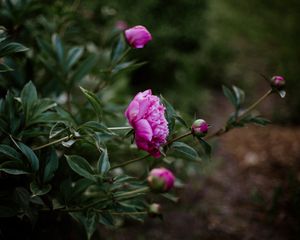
(252, 192)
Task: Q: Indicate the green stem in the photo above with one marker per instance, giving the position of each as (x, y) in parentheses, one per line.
(223, 130)
(178, 138)
(120, 128)
(54, 142)
(130, 161)
(249, 109)
(123, 56)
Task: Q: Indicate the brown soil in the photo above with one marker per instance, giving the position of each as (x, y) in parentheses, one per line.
(253, 192)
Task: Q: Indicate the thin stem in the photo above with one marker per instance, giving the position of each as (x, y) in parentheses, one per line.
(119, 128)
(121, 213)
(223, 130)
(54, 142)
(130, 161)
(249, 109)
(178, 138)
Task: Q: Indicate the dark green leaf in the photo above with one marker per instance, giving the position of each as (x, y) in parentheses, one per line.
(9, 152)
(94, 101)
(12, 48)
(81, 166)
(5, 68)
(57, 44)
(14, 168)
(39, 190)
(89, 220)
(51, 165)
(30, 155)
(74, 55)
(206, 147)
(85, 67)
(170, 113)
(239, 95)
(97, 127)
(186, 150)
(28, 99)
(103, 164)
(118, 50)
(230, 95)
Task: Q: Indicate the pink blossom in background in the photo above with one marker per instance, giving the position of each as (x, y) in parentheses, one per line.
(138, 36)
(161, 179)
(146, 115)
(278, 81)
(121, 25)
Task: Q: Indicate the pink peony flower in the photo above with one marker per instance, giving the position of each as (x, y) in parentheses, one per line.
(161, 179)
(145, 114)
(199, 128)
(138, 36)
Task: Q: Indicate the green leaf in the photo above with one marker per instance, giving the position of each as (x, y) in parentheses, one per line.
(9, 152)
(282, 93)
(81, 166)
(118, 49)
(85, 67)
(185, 150)
(51, 165)
(97, 127)
(5, 68)
(260, 121)
(28, 99)
(103, 164)
(74, 55)
(39, 190)
(89, 220)
(239, 95)
(206, 147)
(94, 101)
(230, 95)
(170, 113)
(126, 66)
(59, 49)
(11, 48)
(30, 155)
(14, 168)
(181, 120)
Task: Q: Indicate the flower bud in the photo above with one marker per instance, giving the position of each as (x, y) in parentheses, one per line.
(199, 128)
(138, 36)
(278, 82)
(154, 210)
(161, 179)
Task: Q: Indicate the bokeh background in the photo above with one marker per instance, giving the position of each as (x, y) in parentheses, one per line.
(251, 187)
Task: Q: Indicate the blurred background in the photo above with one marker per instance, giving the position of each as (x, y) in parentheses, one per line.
(250, 189)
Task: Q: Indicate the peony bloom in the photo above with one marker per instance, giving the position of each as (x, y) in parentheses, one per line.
(161, 179)
(278, 81)
(138, 36)
(145, 114)
(199, 128)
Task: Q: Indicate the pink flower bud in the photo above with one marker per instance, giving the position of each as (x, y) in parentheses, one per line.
(154, 210)
(138, 36)
(161, 179)
(121, 25)
(278, 82)
(199, 128)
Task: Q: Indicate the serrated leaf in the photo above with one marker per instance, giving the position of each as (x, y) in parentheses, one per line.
(9, 152)
(81, 166)
(94, 101)
(51, 165)
(230, 95)
(186, 150)
(39, 190)
(103, 164)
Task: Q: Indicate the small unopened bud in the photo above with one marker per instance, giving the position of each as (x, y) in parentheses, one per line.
(154, 210)
(138, 36)
(200, 128)
(161, 180)
(278, 82)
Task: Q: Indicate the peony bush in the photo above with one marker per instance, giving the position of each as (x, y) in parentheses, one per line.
(70, 154)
